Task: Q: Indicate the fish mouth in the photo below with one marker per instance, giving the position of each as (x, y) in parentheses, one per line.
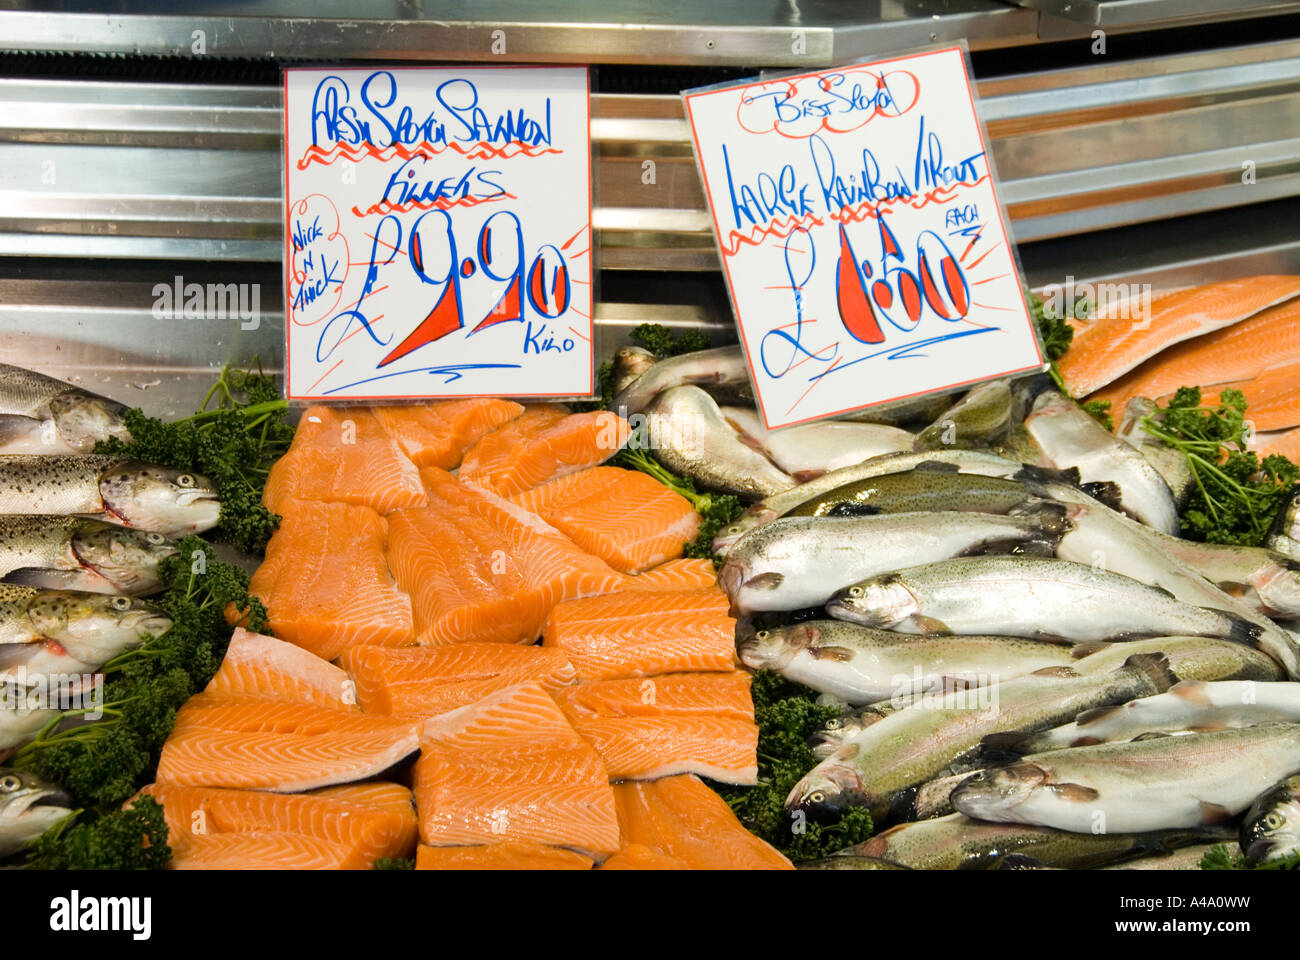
(145, 621)
(731, 576)
(48, 797)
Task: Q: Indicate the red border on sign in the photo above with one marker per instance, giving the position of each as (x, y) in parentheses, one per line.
(1006, 232)
(591, 286)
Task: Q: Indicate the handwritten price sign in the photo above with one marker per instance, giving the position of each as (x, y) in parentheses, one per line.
(437, 232)
(861, 235)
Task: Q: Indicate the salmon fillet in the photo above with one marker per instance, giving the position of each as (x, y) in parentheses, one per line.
(268, 667)
(680, 723)
(510, 767)
(543, 443)
(214, 829)
(258, 743)
(637, 856)
(479, 568)
(426, 681)
(500, 856)
(693, 574)
(638, 633)
(326, 584)
(437, 434)
(625, 517)
(680, 817)
(343, 455)
(1284, 442)
(1272, 398)
(1113, 345)
(1242, 351)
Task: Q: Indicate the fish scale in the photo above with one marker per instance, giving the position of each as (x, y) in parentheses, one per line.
(55, 484)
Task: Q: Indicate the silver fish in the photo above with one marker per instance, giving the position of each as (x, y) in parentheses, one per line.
(1284, 535)
(930, 739)
(1025, 596)
(171, 502)
(629, 364)
(898, 413)
(1070, 437)
(860, 665)
(779, 504)
(75, 553)
(798, 562)
(837, 730)
(810, 450)
(979, 419)
(42, 415)
(1271, 828)
(28, 807)
(689, 436)
(1192, 705)
(1191, 658)
(45, 633)
(1168, 462)
(1149, 784)
(721, 365)
(956, 842)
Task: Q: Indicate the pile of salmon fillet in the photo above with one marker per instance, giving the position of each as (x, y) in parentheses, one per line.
(407, 603)
(1241, 334)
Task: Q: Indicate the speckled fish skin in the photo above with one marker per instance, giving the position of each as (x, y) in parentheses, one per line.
(144, 497)
(1140, 785)
(1168, 462)
(799, 562)
(956, 842)
(721, 365)
(926, 488)
(42, 415)
(44, 632)
(1191, 658)
(1035, 597)
(779, 504)
(928, 740)
(1070, 437)
(28, 807)
(76, 553)
(979, 419)
(689, 436)
(860, 665)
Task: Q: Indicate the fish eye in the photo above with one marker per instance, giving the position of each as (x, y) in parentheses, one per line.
(121, 603)
(834, 723)
(155, 538)
(817, 797)
(185, 480)
(1274, 820)
(762, 634)
(855, 591)
(9, 784)
(978, 777)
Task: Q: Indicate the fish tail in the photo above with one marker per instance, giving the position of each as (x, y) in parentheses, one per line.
(1050, 518)
(1106, 492)
(1155, 667)
(1005, 746)
(1241, 630)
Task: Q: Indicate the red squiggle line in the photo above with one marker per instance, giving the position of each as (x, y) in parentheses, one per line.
(441, 203)
(777, 228)
(478, 151)
(871, 208)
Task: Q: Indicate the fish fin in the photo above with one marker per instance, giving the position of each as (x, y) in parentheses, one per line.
(1052, 518)
(1032, 473)
(1056, 671)
(803, 476)
(1233, 589)
(902, 808)
(1010, 745)
(1155, 667)
(1104, 491)
(1073, 792)
(765, 581)
(1212, 813)
(852, 508)
(1019, 861)
(47, 579)
(1088, 647)
(937, 466)
(1096, 713)
(1086, 741)
(930, 625)
(1243, 631)
(1193, 691)
(1016, 548)
(1149, 735)
(836, 654)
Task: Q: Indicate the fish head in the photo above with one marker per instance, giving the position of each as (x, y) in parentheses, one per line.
(993, 793)
(28, 807)
(95, 627)
(1279, 588)
(837, 730)
(732, 533)
(172, 502)
(827, 791)
(1272, 826)
(84, 419)
(775, 647)
(879, 602)
(127, 559)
